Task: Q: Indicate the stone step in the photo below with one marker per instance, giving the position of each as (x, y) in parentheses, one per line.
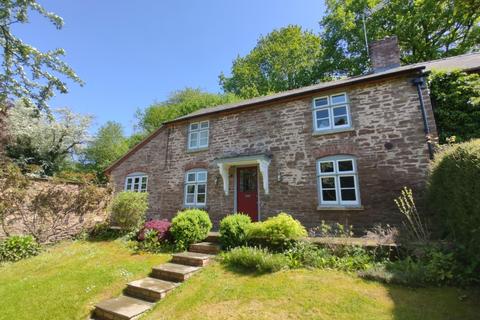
(192, 258)
(121, 308)
(149, 289)
(205, 247)
(213, 237)
(173, 272)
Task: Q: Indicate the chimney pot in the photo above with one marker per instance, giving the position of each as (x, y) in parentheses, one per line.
(385, 54)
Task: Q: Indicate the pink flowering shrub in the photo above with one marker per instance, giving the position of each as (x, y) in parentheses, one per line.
(162, 227)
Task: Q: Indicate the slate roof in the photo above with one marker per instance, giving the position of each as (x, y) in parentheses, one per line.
(467, 62)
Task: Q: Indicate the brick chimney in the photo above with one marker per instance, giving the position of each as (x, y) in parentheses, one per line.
(385, 54)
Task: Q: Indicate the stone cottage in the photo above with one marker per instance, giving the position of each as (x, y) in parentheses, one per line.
(337, 151)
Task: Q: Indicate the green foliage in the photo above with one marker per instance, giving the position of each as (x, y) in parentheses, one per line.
(108, 145)
(426, 30)
(254, 260)
(432, 267)
(284, 59)
(304, 254)
(453, 194)
(456, 100)
(128, 209)
(27, 73)
(16, 248)
(233, 230)
(190, 226)
(276, 232)
(178, 104)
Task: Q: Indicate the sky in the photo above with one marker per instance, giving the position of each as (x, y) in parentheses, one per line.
(132, 53)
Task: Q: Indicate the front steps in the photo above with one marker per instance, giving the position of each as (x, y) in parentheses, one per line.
(141, 295)
(205, 247)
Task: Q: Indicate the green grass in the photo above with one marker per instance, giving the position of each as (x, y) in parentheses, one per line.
(216, 293)
(68, 279)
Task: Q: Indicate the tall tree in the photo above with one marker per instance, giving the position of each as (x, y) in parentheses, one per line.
(27, 73)
(108, 145)
(178, 104)
(426, 30)
(284, 59)
(45, 140)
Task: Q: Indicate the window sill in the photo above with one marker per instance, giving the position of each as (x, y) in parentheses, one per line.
(197, 150)
(186, 206)
(340, 208)
(332, 131)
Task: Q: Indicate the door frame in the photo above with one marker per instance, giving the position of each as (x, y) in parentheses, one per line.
(236, 185)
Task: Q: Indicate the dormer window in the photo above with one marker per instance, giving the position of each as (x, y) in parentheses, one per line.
(198, 135)
(331, 113)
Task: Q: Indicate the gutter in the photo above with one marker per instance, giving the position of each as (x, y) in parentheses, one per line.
(419, 82)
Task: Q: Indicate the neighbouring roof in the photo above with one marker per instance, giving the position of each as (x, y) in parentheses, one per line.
(466, 62)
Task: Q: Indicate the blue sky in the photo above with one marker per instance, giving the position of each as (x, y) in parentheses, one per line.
(131, 53)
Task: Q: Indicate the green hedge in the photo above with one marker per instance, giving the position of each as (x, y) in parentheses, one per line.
(128, 209)
(454, 194)
(190, 226)
(277, 232)
(233, 230)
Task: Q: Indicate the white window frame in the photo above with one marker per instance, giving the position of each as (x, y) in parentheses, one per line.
(196, 182)
(336, 175)
(329, 107)
(130, 184)
(196, 129)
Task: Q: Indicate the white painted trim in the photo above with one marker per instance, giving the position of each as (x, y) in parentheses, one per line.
(261, 160)
(331, 117)
(132, 176)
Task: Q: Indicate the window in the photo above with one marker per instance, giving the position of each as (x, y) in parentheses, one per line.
(338, 181)
(331, 112)
(136, 182)
(196, 188)
(198, 135)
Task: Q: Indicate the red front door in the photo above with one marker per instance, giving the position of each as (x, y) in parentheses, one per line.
(247, 192)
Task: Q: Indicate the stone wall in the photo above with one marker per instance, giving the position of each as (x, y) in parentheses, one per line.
(72, 224)
(387, 138)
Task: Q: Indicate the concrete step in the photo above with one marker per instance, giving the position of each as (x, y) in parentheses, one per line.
(149, 289)
(205, 247)
(173, 272)
(213, 237)
(120, 308)
(192, 258)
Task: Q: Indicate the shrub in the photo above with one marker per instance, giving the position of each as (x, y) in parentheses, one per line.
(128, 209)
(276, 232)
(15, 248)
(190, 226)
(254, 260)
(161, 228)
(432, 267)
(233, 230)
(453, 194)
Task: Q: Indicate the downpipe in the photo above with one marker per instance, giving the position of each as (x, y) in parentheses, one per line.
(419, 82)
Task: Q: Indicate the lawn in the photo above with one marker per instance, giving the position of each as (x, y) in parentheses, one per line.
(216, 293)
(68, 279)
